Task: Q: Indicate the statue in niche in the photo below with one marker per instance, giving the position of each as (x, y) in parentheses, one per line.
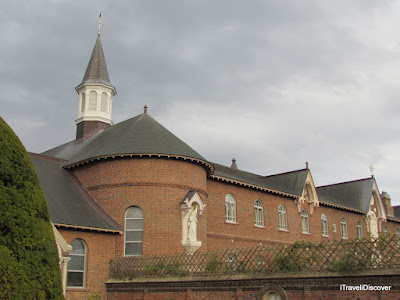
(192, 226)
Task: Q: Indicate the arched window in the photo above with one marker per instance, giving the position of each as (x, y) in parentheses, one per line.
(134, 231)
(359, 230)
(258, 213)
(282, 217)
(77, 264)
(305, 226)
(230, 208)
(324, 224)
(92, 101)
(343, 228)
(83, 104)
(104, 102)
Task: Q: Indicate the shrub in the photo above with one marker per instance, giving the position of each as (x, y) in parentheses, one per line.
(28, 255)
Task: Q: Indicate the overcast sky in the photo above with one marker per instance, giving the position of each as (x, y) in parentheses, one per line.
(272, 83)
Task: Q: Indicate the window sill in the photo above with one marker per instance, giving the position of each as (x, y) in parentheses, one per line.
(77, 289)
(325, 236)
(230, 222)
(283, 230)
(259, 226)
(306, 233)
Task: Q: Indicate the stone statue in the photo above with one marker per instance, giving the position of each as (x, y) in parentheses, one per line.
(192, 226)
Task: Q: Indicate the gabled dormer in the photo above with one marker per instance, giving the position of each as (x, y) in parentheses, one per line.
(95, 96)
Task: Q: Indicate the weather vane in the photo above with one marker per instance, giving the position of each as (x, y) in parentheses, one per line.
(99, 22)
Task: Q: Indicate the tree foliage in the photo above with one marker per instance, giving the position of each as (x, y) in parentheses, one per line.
(29, 266)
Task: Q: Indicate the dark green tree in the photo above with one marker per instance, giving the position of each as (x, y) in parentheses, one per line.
(29, 266)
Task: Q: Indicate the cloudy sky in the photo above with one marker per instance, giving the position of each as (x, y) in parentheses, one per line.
(272, 83)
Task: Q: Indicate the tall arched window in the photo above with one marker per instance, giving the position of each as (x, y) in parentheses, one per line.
(258, 213)
(104, 102)
(77, 264)
(324, 224)
(282, 217)
(343, 228)
(359, 230)
(83, 104)
(92, 101)
(230, 208)
(305, 226)
(134, 231)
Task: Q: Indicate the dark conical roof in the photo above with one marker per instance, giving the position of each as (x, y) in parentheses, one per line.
(140, 135)
(96, 71)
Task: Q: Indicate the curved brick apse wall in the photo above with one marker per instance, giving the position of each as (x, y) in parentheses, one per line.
(157, 186)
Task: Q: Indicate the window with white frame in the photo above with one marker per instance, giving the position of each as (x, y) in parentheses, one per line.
(258, 213)
(230, 208)
(282, 217)
(305, 225)
(324, 224)
(359, 230)
(343, 228)
(77, 265)
(134, 231)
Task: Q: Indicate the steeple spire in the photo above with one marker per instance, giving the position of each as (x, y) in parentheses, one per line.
(95, 94)
(96, 71)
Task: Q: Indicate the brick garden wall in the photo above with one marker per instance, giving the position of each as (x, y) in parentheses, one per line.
(296, 286)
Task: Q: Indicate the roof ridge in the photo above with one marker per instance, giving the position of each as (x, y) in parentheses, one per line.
(284, 173)
(44, 156)
(344, 182)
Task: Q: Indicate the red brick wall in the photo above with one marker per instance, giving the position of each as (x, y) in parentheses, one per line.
(244, 233)
(100, 250)
(157, 186)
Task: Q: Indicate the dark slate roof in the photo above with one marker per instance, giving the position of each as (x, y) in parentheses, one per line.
(96, 71)
(290, 183)
(138, 135)
(396, 212)
(353, 194)
(69, 203)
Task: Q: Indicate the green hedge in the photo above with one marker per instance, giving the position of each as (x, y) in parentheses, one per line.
(29, 266)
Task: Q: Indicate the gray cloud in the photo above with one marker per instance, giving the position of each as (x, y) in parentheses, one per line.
(272, 83)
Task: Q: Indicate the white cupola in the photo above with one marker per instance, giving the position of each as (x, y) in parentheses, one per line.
(95, 96)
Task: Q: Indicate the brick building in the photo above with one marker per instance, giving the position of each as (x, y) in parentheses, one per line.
(134, 188)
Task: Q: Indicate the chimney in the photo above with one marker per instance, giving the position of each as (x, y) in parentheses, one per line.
(387, 204)
(234, 165)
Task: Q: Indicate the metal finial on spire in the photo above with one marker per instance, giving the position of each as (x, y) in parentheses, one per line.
(99, 22)
(145, 109)
(372, 168)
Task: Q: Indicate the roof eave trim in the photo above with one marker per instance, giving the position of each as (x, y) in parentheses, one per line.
(209, 166)
(88, 228)
(342, 207)
(253, 186)
(393, 219)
